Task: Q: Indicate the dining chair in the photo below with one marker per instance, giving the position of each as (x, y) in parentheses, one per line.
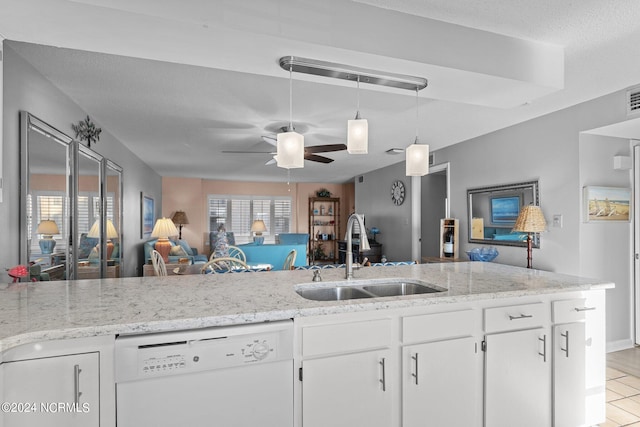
(159, 267)
(289, 260)
(224, 265)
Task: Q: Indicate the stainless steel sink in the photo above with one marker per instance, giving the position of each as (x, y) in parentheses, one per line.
(333, 294)
(402, 288)
(356, 289)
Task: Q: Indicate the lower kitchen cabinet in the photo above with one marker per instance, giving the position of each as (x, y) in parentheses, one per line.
(348, 390)
(52, 391)
(518, 378)
(438, 380)
(569, 375)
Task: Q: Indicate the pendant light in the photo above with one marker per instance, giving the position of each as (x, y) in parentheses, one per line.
(290, 144)
(417, 161)
(357, 131)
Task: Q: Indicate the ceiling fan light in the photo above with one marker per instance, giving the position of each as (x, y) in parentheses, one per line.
(357, 136)
(290, 150)
(417, 161)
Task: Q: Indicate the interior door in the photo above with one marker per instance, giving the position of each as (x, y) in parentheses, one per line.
(435, 206)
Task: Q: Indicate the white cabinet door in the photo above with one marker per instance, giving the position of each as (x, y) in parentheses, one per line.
(569, 375)
(348, 390)
(518, 379)
(441, 384)
(61, 391)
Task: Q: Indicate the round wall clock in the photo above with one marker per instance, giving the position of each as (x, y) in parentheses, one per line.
(397, 193)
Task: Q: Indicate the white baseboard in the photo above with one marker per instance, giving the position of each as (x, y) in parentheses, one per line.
(619, 345)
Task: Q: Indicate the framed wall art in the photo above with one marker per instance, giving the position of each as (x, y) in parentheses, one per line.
(147, 215)
(607, 203)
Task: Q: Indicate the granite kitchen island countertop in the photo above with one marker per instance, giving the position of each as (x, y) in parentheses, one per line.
(40, 311)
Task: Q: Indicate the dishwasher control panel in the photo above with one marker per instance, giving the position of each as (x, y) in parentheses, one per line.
(153, 355)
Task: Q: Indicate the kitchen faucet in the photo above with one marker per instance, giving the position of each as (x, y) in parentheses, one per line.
(364, 242)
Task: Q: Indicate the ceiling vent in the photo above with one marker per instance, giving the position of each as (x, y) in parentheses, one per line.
(633, 101)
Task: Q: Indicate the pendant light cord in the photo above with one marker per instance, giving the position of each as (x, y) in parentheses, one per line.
(290, 99)
(417, 117)
(358, 97)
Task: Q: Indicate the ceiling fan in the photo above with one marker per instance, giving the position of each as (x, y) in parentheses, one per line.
(309, 152)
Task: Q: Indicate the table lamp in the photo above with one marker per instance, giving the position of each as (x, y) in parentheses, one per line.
(112, 233)
(258, 227)
(162, 230)
(530, 220)
(47, 228)
(180, 218)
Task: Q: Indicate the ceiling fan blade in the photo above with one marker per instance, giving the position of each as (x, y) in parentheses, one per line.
(325, 148)
(316, 158)
(270, 139)
(247, 152)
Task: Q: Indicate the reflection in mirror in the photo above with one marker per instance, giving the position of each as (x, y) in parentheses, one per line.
(113, 190)
(492, 213)
(67, 190)
(44, 202)
(89, 213)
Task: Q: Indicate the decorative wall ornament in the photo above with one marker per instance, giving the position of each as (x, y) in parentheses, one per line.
(323, 192)
(87, 131)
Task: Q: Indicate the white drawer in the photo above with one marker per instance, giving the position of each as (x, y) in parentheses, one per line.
(346, 337)
(436, 326)
(570, 310)
(513, 317)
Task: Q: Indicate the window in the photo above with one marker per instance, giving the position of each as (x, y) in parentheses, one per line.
(50, 205)
(238, 212)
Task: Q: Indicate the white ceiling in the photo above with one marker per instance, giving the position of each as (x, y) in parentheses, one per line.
(180, 81)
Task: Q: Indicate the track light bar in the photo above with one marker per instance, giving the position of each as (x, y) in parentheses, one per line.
(347, 72)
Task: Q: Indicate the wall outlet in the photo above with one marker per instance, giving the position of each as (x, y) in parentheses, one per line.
(557, 220)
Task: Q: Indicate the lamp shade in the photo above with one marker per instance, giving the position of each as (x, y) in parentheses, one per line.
(94, 231)
(357, 136)
(48, 227)
(180, 218)
(164, 228)
(530, 220)
(290, 150)
(258, 226)
(417, 161)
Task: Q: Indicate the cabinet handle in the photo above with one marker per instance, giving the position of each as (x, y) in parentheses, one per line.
(415, 375)
(76, 384)
(544, 348)
(566, 343)
(383, 380)
(579, 309)
(522, 316)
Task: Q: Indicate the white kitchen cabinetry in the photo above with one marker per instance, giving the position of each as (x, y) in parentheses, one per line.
(348, 390)
(578, 361)
(64, 383)
(442, 376)
(53, 391)
(347, 374)
(517, 366)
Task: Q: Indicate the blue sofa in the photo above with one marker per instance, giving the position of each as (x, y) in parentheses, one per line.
(273, 254)
(192, 253)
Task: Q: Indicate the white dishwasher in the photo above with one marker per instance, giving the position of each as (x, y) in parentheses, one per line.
(227, 376)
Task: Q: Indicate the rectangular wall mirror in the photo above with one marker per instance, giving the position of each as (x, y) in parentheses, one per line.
(70, 207)
(492, 213)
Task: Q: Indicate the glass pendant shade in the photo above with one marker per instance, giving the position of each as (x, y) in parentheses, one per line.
(290, 150)
(417, 159)
(357, 135)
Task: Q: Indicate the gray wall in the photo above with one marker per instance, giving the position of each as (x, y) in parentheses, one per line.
(549, 148)
(373, 198)
(606, 248)
(26, 89)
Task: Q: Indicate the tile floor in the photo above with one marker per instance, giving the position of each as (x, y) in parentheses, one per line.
(623, 399)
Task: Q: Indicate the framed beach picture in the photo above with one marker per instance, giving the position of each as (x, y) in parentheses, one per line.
(505, 210)
(606, 203)
(147, 215)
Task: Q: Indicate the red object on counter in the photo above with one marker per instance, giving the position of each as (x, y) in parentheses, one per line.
(18, 272)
